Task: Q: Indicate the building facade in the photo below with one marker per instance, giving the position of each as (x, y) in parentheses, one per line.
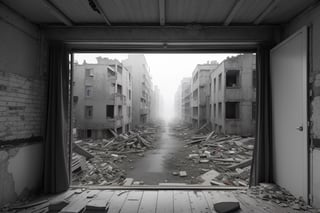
(233, 96)
(102, 98)
(200, 93)
(141, 88)
(155, 104)
(186, 100)
(177, 104)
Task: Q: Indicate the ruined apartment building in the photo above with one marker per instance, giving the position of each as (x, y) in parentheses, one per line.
(155, 104)
(102, 98)
(177, 104)
(141, 88)
(200, 93)
(186, 100)
(233, 95)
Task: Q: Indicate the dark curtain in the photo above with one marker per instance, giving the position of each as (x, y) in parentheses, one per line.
(261, 170)
(56, 166)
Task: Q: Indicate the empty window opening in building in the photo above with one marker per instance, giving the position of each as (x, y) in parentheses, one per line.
(232, 110)
(88, 111)
(233, 78)
(88, 91)
(119, 111)
(110, 111)
(119, 89)
(131, 110)
(89, 72)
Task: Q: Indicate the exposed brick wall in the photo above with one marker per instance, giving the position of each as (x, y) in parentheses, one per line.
(22, 106)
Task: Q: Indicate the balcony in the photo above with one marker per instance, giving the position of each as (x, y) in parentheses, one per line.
(119, 99)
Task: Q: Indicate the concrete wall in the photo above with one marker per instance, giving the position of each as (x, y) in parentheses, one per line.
(104, 89)
(138, 67)
(312, 18)
(244, 94)
(22, 106)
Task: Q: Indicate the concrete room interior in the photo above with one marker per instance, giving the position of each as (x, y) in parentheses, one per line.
(285, 35)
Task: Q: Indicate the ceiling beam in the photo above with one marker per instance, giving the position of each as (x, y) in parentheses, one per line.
(162, 33)
(102, 13)
(233, 12)
(57, 13)
(265, 12)
(162, 12)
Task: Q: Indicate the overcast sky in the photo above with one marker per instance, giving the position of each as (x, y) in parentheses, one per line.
(167, 70)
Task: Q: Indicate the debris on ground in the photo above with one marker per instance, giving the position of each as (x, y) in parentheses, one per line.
(277, 195)
(230, 156)
(104, 155)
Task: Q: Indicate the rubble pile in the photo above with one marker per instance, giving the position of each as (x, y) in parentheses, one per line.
(278, 195)
(229, 155)
(104, 155)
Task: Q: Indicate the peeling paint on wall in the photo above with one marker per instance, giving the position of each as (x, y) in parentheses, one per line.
(20, 171)
(7, 184)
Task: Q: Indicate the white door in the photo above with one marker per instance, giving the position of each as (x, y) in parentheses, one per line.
(288, 63)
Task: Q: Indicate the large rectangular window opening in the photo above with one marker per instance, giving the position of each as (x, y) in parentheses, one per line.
(141, 121)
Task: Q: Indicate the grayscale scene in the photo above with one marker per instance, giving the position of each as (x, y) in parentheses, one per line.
(163, 119)
(159, 106)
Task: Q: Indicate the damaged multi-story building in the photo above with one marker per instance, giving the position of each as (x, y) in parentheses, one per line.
(141, 88)
(233, 96)
(186, 100)
(200, 93)
(102, 98)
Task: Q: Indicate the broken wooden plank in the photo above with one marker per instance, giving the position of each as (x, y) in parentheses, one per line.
(78, 203)
(240, 165)
(77, 149)
(209, 136)
(100, 202)
(144, 141)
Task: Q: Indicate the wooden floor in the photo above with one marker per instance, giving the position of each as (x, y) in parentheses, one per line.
(155, 201)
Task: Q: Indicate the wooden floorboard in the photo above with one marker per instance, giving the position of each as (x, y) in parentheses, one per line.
(149, 202)
(198, 202)
(117, 201)
(165, 201)
(154, 201)
(181, 202)
(100, 202)
(132, 202)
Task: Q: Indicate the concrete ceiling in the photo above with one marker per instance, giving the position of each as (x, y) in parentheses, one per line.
(159, 12)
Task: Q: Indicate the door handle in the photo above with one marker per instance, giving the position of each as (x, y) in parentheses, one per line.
(299, 128)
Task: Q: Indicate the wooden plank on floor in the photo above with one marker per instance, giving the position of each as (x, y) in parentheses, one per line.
(132, 202)
(79, 203)
(99, 203)
(216, 196)
(198, 202)
(165, 201)
(181, 202)
(149, 202)
(117, 200)
(60, 201)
